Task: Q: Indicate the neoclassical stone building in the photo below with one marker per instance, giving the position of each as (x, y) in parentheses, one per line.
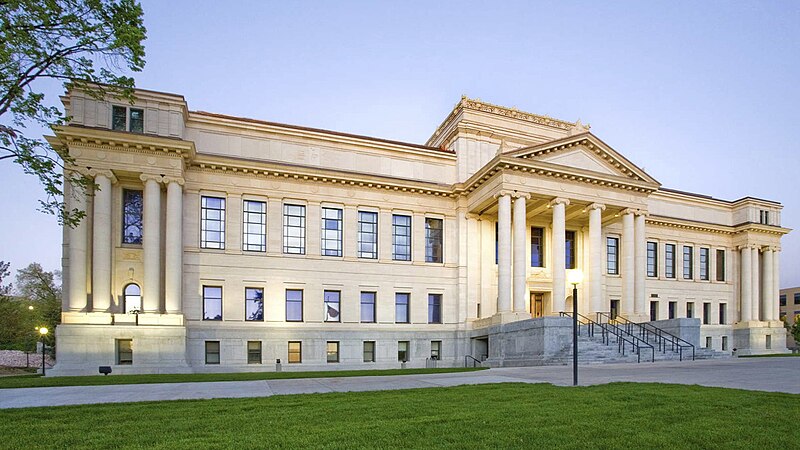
(218, 243)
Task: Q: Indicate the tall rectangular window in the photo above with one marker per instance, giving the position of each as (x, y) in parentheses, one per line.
(706, 313)
(294, 305)
(253, 352)
(688, 262)
(612, 255)
(401, 307)
(669, 260)
(331, 232)
(537, 247)
(434, 308)
(295, 352)
(127, 119)
(689, 310)
(332, 350)
(294, 229)
(720, 265)
(652, 259)
(764, 217)
(436, 350)
(332, 302)
(212, 222)
(402, 351)
(368, 307)
(136, 120)
(124, 352)
(212, 352)
(569, 248)
(212, 303)
(653, 310)
(368, 234)
(434, 239)
(673, 307)
(797, 298)
(401, 237)
(723, 313)
(255, 226)
(782, 299)
(253, 304)
(369, 351)
(132, 216)
(703, 263)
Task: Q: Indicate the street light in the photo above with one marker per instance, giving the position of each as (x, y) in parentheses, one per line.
(574, 277)
(43, 332)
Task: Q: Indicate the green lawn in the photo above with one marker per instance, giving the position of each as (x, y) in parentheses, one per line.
(620, 415)
(39, 381)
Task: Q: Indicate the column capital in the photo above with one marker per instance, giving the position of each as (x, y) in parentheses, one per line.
(775, 248)
(149, 176)
(518, 194)
(593, 206)
(502, 193)
(641, 212)
(177, 180)
(627, 211)
(103, 172)
(558, 201)
(472, 216)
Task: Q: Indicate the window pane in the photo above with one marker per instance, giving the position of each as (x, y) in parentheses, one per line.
(570, 249)
(369, 351)
(118, 118)
(333, 352)
(687, 262)
(368, 307)
(401, 238)
(132, 299)
(704, 264)
(212, 352)
(132, 217)
(253, 304)
(137, 120)
(401, 307)
(254, 352)
(294, 229)
(669, 260)
(612, 255)
(436, 350)
(255, 226)
(212, 222)
(652, 259)
(294, 305)
(433, 240)
(212, 303)
(331, 299)
(434, 308)
(295, 352)
(402, 351)
(720, 265)
(124, 351)
(367, 235)
(537, 247)
(331, 232)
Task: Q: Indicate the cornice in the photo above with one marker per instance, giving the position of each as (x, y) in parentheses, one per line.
(115, 140)
(697, 225)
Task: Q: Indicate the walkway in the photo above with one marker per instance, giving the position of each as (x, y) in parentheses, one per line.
(762, 374)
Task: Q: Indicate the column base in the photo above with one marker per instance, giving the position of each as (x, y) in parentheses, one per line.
(759, 338)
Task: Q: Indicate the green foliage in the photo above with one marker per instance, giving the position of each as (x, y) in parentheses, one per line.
(37, 304)
(499, 416)
(97, 380)
(794, 330)
(85, 44)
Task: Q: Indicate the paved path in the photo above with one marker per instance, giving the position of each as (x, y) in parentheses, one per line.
(762, 374)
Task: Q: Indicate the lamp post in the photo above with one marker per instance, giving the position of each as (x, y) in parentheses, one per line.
(575, 277)
(43, 332)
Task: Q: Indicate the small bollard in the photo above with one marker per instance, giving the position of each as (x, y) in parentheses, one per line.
(277, 365)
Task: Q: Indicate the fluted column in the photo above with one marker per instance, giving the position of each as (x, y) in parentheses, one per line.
(766, 285)
(520, 267)
(151, 243)
(78, 239)
(755, 285)
(746, 291)
(596, 256)
(776, 284)
(640, 269)
(504, 251)
(559, 206)
(101, 240)
(173, 252)
(628, 263)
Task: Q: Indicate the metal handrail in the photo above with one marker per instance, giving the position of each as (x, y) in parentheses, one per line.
(636, 342)
(608, 329)
(582, 320)
(663, 338)
(474, 361)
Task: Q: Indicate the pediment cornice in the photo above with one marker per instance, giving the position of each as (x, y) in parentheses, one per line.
(117, 140)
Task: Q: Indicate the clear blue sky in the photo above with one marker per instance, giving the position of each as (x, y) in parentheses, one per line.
(702, 95)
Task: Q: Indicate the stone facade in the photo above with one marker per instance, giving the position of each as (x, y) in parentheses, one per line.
(501, 204)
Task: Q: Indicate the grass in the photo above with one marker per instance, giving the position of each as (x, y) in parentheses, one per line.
(620, 415)
(26, 381)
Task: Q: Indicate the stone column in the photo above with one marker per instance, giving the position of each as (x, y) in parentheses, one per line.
(503, 251)
(559, 299)
(640, 270)
(520, 267)
(746, 292)
(151, 243)
(173, 251)
(776, 285)
(755, 305)
(628, 264)
(766, 285)
(78, 239)
(101, 241)
(595, 276)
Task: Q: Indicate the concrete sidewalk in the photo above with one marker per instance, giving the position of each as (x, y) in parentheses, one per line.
(762, 374)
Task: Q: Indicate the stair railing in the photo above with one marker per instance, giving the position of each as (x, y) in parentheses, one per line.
(662, 338)
(623, 341)
(470, 359)
(625, 336)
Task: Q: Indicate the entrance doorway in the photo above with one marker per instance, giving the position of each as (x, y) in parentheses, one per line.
(537, 304)
(614, 308)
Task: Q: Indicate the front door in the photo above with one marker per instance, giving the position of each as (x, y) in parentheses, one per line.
(614, 308)
(537, 304)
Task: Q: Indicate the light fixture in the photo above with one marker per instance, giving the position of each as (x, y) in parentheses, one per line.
(575, 276)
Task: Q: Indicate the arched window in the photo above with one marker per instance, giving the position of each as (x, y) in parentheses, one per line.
(132, 298)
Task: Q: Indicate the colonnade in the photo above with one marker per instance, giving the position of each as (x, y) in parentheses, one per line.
(98, 228)
(759, 288)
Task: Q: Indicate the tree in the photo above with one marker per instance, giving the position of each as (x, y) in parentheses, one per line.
(36, 303)
(42, 289)
(85, 44)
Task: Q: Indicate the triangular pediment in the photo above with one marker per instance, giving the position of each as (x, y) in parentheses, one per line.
(586, 152)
